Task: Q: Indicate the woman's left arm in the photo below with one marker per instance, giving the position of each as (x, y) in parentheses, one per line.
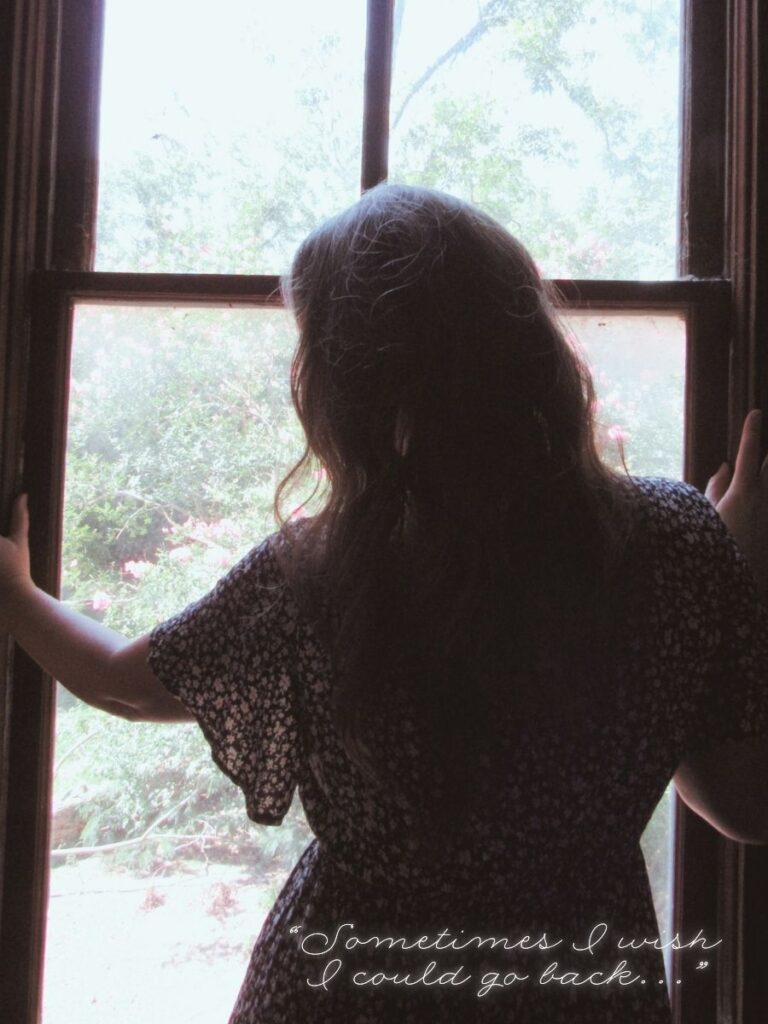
(93, 662)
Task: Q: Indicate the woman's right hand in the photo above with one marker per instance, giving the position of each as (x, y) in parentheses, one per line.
(14, 558)
(741, 499)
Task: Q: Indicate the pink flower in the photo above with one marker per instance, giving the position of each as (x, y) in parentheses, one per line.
(101, 601)
(617, 433)
(137, 569)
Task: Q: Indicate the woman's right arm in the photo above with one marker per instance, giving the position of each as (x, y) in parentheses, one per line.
(93, 662)
(727, 784)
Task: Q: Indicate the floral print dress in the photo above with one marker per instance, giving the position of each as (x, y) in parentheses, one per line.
(539, 908)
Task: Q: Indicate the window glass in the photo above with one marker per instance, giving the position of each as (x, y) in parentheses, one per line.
(638, 366)
(180, 426)
(560, 119)
(227, 131)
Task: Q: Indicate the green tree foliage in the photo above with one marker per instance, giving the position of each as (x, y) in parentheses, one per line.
(179, 431)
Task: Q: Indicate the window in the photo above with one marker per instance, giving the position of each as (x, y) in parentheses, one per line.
(50, 60)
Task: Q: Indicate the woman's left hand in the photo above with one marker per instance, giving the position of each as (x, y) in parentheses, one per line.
(14, 558)
(741, 498)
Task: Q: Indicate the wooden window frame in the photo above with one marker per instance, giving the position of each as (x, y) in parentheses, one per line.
(49, 86)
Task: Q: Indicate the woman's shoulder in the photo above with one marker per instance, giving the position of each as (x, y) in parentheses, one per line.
(270, 556)
(255, 584)
(285, 561)
(679, 526)
(673, 504)
(664, 488)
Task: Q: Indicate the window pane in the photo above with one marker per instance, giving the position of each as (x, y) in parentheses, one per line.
(227, 130)
(180, 426)
(638, 364)
(560, 119)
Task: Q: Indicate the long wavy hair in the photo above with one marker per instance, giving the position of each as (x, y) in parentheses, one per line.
(467, 548)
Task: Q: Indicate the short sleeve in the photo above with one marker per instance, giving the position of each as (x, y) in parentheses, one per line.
(228, 659)
(731, 700)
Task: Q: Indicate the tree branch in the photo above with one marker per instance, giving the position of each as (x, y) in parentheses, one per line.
(490, 17)
(86, 851)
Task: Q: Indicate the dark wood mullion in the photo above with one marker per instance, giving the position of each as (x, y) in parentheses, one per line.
(31, 740)
(749, 207)
(203, 289)
(708, 893)
(75, 182)
(755, 924)
(642, 294)
(695, 887)
(703, 166)
(215, 289)
(378, 83)
(706, 390)
(27, 80)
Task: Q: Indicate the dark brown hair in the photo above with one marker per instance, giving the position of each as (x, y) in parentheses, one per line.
(467, 514)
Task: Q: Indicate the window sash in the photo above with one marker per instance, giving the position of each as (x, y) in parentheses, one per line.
(705, 305)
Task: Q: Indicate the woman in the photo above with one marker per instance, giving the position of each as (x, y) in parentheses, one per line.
(481, 661)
